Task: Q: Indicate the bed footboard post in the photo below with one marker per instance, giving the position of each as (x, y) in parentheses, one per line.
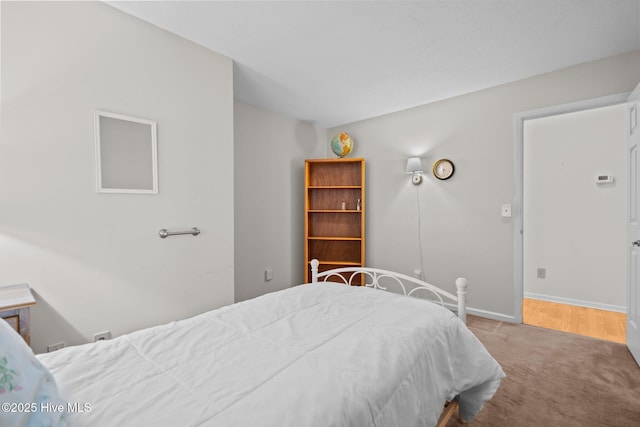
(461, 285)
(314, 270)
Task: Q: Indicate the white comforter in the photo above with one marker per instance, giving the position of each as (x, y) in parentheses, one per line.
(314, 355)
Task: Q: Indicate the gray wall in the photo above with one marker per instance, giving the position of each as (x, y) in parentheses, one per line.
(463, 233)
(269, 197)
(95, 260)
(574, 228)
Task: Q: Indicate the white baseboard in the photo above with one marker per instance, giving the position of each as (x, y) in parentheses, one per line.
(484, 313)
(491, 315)
(579, 303)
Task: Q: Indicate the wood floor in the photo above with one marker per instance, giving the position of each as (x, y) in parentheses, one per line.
(591, 322)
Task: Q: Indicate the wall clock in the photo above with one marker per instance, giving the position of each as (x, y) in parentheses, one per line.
(443, 169)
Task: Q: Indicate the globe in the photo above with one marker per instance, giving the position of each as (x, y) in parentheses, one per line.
(341, 144)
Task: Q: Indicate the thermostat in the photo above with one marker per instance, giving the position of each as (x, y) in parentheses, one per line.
(604, 179)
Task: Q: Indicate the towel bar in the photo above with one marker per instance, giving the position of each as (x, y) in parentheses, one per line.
(164, 233)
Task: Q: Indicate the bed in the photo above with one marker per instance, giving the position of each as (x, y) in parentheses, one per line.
(319, 354)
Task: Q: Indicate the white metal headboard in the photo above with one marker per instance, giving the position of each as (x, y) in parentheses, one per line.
(373, 276)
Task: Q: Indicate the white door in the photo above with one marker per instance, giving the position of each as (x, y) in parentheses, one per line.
(633, 296)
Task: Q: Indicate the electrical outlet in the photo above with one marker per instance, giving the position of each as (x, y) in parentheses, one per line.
(102, 336)
(542, 273)
(268, 274)
(54, 347)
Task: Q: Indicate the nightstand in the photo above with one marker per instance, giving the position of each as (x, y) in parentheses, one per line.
(15, 302)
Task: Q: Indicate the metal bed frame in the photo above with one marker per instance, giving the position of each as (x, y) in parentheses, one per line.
(373, 277)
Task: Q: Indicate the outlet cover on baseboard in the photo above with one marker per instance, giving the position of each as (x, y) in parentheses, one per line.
(102, 336)
(54, 347)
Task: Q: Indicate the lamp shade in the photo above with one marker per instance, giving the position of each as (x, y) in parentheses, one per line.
(414, 165)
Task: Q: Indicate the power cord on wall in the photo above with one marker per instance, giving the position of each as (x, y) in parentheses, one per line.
(420, 234)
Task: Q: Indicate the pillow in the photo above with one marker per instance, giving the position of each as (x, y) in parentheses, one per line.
(28, 392)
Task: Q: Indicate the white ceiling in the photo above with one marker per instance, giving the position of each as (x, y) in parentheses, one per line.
(336, 62)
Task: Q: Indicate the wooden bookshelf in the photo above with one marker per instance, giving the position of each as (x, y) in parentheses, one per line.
(334, 213)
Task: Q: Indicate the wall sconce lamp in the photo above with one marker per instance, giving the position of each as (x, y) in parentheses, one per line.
(414, 167)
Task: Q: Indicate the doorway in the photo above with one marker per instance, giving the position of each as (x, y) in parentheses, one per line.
(570, 223)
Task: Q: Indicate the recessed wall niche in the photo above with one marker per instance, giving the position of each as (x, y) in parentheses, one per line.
(126, 154)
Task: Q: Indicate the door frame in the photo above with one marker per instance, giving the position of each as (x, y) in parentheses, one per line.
(518, 170)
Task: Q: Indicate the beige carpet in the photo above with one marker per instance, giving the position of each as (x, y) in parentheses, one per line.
(557, 379)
